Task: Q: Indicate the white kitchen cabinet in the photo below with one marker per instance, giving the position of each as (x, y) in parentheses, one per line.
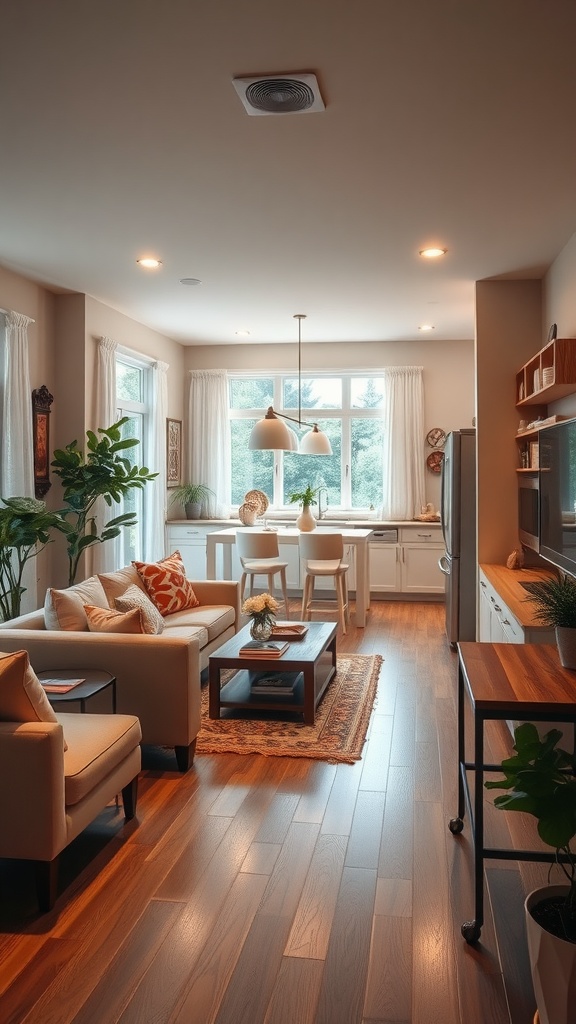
(497, 623)
(190, 540)
(411, 565)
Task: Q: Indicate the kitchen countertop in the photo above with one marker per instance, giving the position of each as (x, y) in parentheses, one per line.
(508, 583)
(287, 520)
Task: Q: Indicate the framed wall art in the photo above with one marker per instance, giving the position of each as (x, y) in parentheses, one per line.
(41, 402)
(173, 453)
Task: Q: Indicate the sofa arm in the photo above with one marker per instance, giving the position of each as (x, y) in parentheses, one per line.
(218, 592)
(32, 813)
(157, 677)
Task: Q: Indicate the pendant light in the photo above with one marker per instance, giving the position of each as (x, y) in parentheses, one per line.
(271, 433)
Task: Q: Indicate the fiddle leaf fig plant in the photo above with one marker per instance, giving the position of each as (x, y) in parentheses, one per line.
(25, 526)
(102, 472)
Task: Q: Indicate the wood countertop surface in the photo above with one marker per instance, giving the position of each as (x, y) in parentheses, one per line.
(508, 583)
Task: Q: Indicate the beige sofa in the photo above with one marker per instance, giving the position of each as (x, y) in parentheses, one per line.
(157, 676)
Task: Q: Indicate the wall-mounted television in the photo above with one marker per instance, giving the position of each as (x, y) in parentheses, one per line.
(557, 449)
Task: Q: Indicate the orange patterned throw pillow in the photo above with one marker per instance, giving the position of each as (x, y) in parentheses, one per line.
(166, 584)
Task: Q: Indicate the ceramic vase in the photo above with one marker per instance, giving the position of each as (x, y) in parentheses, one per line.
(553, 964)
(566, 642)
(305, 521)
(261, 629)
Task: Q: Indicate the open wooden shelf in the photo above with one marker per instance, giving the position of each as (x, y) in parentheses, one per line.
(555, 363)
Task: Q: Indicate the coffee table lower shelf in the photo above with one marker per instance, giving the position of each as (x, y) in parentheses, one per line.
(311, 661)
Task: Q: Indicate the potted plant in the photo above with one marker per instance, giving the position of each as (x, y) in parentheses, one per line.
(555, 605)
(25, 526)
(102, 472)
(540, 780)
(305, 521)
(192, 496)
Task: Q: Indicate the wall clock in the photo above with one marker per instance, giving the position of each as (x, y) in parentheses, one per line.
(436, 437)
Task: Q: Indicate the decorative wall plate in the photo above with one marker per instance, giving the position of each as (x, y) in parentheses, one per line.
(436, 437)
(259, 499)
(434, 461)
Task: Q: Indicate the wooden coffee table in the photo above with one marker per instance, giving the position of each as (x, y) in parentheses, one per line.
(313, 659)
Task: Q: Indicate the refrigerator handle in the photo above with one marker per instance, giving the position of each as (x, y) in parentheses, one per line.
(443, 565)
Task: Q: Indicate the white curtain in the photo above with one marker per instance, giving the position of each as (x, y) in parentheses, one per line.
(155, 492)
(209, 454)
(17, 459)
(105, 557)
(403, 454)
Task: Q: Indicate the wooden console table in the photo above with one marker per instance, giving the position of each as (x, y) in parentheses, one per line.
(521, 682)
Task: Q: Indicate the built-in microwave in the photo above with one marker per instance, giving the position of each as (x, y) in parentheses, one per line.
(529, 510)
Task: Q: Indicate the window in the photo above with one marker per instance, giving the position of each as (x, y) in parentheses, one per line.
(132, 401)
(347, 407)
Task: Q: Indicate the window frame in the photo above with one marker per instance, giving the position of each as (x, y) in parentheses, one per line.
(142, 409)
(345, 413)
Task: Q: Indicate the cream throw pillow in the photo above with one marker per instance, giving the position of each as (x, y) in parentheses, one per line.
(106, 620)
(134, 597)
(64, 609)
(116, 583)
(22, 697)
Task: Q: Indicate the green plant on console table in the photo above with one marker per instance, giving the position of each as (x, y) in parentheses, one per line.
(103, 472)
(191, 494)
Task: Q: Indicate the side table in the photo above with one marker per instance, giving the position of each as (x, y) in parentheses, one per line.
(521, 682)
(94, 681)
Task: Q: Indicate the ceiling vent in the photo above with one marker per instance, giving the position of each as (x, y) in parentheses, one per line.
(279, 94)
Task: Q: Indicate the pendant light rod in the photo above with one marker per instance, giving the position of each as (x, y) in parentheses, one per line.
(299, 317)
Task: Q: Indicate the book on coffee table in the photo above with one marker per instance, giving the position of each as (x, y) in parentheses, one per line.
(274, 682)
(264, 648)
(288, 631)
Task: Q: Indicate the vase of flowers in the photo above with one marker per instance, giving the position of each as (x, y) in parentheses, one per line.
(262, 610)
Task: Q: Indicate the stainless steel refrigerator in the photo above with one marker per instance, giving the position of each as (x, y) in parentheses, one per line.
(458, 514)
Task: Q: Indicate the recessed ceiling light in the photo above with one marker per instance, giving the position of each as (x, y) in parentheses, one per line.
(190, 281)
(426, 327)
(149, 263)
(432, 251)
(242, 334)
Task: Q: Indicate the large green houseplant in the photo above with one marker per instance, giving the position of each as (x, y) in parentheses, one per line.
(102, 472)
(555, 605)
(539, 780)
(25, 527)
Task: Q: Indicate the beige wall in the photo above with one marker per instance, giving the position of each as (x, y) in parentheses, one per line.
(448, 373)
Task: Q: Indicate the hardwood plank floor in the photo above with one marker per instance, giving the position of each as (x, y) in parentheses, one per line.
(258, 890)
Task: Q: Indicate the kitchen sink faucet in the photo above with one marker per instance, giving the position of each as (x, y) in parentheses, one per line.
(321, 511)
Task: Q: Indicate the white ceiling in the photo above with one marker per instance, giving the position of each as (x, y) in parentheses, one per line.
(446, 121)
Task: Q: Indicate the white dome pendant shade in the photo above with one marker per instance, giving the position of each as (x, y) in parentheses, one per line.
(271, 433)
(315, 442)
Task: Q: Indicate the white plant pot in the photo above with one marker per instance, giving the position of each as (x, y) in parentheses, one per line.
(305, 521)
(553, 965)
(566, 643)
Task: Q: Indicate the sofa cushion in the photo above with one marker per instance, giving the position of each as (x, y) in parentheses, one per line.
(166, 584)
(116, 583)
(97, 744)
(106, 620)
(22, 696)
(199, 633)
(214, 618)
(64, 609)
(136, 598)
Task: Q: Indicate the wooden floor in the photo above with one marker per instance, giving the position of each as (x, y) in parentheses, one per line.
(284, 891)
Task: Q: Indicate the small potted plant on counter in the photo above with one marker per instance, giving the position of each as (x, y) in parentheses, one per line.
(305, 521)
(192, 497)
(540, 780)
(555, 601)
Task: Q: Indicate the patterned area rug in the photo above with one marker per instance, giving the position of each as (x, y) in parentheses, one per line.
(337, 735)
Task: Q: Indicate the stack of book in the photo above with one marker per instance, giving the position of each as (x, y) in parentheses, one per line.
(264, 648)
(277, 683)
